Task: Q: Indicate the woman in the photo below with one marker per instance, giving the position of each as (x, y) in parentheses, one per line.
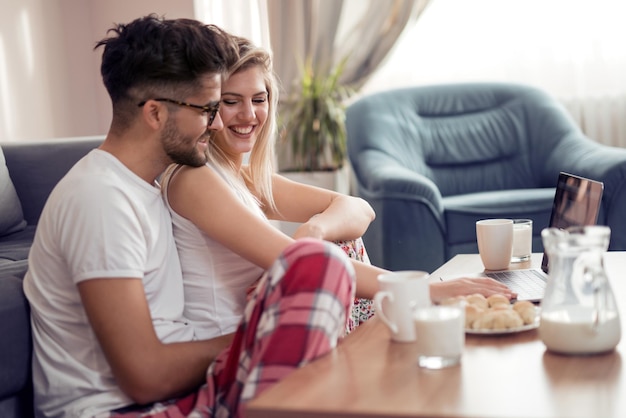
(221, 211)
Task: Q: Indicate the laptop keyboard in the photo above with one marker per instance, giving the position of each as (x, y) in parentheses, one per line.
(528, 284)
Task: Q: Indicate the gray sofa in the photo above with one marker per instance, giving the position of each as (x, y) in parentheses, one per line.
(431, 160)
(28, 172)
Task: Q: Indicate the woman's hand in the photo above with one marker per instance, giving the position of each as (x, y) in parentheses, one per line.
(324, 214)
(464, 286)
(310, 229)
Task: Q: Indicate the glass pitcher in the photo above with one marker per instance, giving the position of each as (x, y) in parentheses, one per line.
(578, 312)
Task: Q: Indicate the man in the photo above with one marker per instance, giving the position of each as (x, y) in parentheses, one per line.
(104, 279)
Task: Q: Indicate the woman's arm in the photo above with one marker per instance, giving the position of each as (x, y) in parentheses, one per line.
(203, 197)
(367, 285)
(324, 214)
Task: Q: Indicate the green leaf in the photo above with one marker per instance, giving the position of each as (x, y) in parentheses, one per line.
(314, 119)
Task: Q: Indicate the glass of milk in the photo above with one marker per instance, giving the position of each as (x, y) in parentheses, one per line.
(440, 335)
(522, 240)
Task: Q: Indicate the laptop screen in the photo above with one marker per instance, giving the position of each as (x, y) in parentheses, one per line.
(576, 203)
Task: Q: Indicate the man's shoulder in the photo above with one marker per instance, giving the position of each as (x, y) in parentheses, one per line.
(99, 173)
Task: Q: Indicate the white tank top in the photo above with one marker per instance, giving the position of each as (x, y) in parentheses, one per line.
(215, 278)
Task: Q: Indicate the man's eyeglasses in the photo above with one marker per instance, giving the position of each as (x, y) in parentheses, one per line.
(210, 109)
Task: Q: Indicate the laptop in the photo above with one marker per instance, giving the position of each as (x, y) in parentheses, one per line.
(576, 203)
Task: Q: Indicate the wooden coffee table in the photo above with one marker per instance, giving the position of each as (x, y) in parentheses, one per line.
(512, 375)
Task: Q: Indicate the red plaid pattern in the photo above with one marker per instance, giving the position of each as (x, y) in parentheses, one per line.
(297, 313)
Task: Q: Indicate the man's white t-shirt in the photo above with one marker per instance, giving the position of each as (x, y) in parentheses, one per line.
(215, 278)
(100, 221)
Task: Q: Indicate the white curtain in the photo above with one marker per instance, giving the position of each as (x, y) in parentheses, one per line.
(326, 30)
(365, 31)
(574, 49)
(246, 18)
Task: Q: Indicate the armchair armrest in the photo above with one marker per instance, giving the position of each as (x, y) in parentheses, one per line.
(588, 159)
(603, 163)
(388, 179)
(409, 214)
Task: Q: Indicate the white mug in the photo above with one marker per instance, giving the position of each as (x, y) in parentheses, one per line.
(495, 242)
(400, 292)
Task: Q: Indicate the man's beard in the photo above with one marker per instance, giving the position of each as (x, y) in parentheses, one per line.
(182, 149)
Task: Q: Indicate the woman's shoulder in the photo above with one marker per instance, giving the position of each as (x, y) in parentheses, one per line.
(193, 171)
(177, 176)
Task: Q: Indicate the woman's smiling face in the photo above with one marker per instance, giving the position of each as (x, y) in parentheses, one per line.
(243, 110)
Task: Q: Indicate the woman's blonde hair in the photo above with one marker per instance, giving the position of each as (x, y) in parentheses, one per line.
(261, 162)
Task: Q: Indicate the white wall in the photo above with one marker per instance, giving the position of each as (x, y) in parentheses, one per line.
(50, 85)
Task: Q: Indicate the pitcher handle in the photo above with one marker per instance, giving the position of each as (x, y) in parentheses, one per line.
(595, 277)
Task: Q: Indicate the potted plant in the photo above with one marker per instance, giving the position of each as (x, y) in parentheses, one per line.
(313, 133)
(312, 142)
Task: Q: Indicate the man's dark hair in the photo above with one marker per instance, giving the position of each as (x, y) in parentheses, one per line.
(152, 54)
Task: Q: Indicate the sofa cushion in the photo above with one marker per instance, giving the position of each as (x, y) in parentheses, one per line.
(15, 343)
(14, 250)
(11, 215)
(462, 211)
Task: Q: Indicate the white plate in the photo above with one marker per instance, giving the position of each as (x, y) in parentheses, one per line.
(528, 327)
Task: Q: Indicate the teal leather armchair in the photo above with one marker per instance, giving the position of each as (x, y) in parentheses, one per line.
(433, 160)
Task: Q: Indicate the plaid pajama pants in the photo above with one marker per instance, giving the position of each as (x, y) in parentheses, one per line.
(297, 313)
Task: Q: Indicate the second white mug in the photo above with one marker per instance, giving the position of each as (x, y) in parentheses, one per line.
(400, 292)
(495, 242)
